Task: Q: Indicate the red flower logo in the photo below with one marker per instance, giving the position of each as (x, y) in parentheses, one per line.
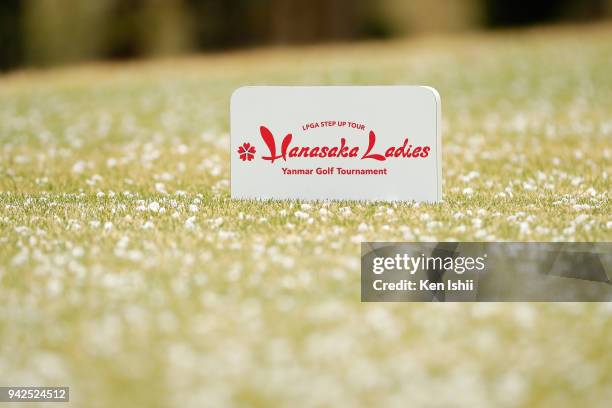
(246, 152)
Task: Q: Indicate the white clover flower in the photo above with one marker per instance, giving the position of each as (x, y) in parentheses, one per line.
(160, 188)
(346, 211)
(468, 191)
(22, 256)
(100, 194)
(166, 176)
(190, 222)
(153, 206)
(323, 212)
(258, 249)
(356, 239)
(223, 234)
(123, 242)
(93, 180)
(433, 224)
(193, 208)
(22, 159)
(571, 230)
(581, 218)
(470, 176)
(215, 171)
(337, 230)
(528, 186)
(576, 181)
(306, 207)
(22, 229)
(94, 223)
(362, 227)
(428, 238)
(79, 167)
(302, 215)
(407, 235)
(480, 233)
(54, 287)
(108, 226)
(148, 225)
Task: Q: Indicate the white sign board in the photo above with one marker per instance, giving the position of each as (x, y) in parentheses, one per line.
(336, 142)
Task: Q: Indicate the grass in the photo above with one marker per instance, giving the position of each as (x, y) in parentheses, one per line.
(127, 273)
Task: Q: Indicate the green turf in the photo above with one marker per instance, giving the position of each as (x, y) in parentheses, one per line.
(127, 273)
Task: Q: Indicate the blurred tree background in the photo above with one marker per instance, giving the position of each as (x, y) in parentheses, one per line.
(52, 32)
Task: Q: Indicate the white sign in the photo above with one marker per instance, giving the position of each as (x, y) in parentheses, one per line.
(336, 142)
